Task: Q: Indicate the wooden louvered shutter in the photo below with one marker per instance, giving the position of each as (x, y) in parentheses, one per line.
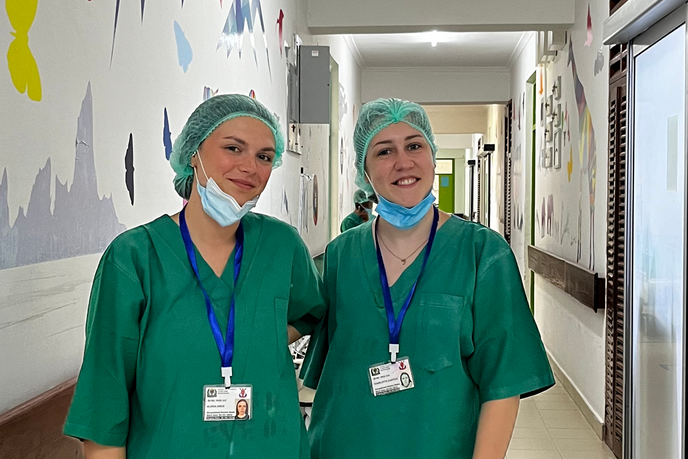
(616, 243)
(507, 170)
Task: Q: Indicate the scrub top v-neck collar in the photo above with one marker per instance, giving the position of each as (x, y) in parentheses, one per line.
(208, 276)
(405, 281)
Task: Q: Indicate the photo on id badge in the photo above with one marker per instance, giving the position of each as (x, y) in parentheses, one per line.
(227, 404)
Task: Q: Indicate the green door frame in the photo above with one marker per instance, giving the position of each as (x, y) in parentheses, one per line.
(453, 185)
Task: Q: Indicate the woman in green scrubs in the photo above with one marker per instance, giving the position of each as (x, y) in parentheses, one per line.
(361, 213)
(192, 313)
(430, 353)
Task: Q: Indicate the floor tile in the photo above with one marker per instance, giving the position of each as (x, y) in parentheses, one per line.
(585, 455)
(532, 444)
(587, 433)
(532, 454)
(531, 432)
(563, 406)
(578, 444)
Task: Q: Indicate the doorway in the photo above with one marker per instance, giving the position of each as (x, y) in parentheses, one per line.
(656, 274)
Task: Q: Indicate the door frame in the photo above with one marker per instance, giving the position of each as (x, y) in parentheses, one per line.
(638, 45)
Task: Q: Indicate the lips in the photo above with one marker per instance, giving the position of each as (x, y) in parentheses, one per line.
(246, 185)
(406, 181)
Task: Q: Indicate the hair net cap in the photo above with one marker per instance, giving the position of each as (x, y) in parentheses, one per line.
(204, 120)
(360, 197)
(379, 114)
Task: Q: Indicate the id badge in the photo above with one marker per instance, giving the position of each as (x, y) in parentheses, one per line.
(222, 404)
(387, 378)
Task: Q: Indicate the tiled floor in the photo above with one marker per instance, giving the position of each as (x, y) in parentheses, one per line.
(550, 426)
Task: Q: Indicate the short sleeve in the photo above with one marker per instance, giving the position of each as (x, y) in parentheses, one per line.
(306, 304)
(100, 407)
(319, 344)
(509, 358)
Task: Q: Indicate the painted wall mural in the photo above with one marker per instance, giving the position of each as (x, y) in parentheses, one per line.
(587, 150)
(81, 222)
(129, 168)
(184, 51)
(242, 16)
(166, 136)
(20, 61)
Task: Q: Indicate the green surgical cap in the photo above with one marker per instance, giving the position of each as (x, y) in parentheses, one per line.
(377, 115)
(204, 120)
(360, 197)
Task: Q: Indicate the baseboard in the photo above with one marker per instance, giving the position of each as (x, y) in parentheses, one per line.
(578, 399)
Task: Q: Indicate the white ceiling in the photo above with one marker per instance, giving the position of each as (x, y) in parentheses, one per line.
(454, 49)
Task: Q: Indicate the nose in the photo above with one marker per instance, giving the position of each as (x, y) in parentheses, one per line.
(247, 164)
(404, 160)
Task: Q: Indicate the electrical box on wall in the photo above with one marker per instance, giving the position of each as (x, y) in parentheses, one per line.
(308, 82)
(314, 84)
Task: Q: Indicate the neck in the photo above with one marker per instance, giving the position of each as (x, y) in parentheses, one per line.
(203, 229)
(397, 236)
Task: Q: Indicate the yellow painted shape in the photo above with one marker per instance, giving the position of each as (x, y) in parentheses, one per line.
(20, 61)
(569, 164)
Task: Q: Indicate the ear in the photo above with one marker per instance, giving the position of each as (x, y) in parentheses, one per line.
(194, 160)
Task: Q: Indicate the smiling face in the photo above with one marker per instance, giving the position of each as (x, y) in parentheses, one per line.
(399, 164)
(238, 155)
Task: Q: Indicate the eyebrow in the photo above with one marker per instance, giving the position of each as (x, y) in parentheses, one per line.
(389, 141)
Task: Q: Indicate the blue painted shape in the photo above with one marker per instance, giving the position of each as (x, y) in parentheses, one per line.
(444, 181)
(167, 137)
(184, 51)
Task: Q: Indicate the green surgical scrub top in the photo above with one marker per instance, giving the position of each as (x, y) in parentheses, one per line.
(351, 221)
(150, 350)
(469, 335)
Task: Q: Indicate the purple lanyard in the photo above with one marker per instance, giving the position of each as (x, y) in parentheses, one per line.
(395, 323)
(226, 347)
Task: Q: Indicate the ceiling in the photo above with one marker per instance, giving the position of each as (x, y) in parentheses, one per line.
(454, 49)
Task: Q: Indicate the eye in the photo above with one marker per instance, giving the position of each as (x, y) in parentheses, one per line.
(383, 152)
(414, 146)
(232, 148)
(265, 157)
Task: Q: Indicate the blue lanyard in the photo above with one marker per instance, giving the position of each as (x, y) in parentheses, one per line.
(226, 347)
(395, 323)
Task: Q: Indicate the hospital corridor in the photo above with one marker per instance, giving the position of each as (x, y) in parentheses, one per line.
(325, 229)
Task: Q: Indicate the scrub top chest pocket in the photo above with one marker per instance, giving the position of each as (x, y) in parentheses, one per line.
(439, 329)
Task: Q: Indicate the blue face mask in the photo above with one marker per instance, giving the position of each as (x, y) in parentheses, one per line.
(401, 217)
(220, 206)
(369, 212)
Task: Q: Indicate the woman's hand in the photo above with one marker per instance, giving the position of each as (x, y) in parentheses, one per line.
(96, 451)
(496, 424)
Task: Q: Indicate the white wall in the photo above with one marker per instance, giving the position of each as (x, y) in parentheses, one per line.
(344, 53)
(457, 119)
(443, 86)
(43, 305)
(572, 333)
(462, 141)
(363, 16)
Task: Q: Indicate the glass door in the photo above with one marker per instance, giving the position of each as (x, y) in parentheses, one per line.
(658, 242)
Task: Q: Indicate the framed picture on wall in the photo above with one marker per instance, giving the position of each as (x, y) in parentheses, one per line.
(548, 157)
(550, 105)
(556, 160)
(548, 132)
(557, 88)
(557, 116)
(543, 113)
